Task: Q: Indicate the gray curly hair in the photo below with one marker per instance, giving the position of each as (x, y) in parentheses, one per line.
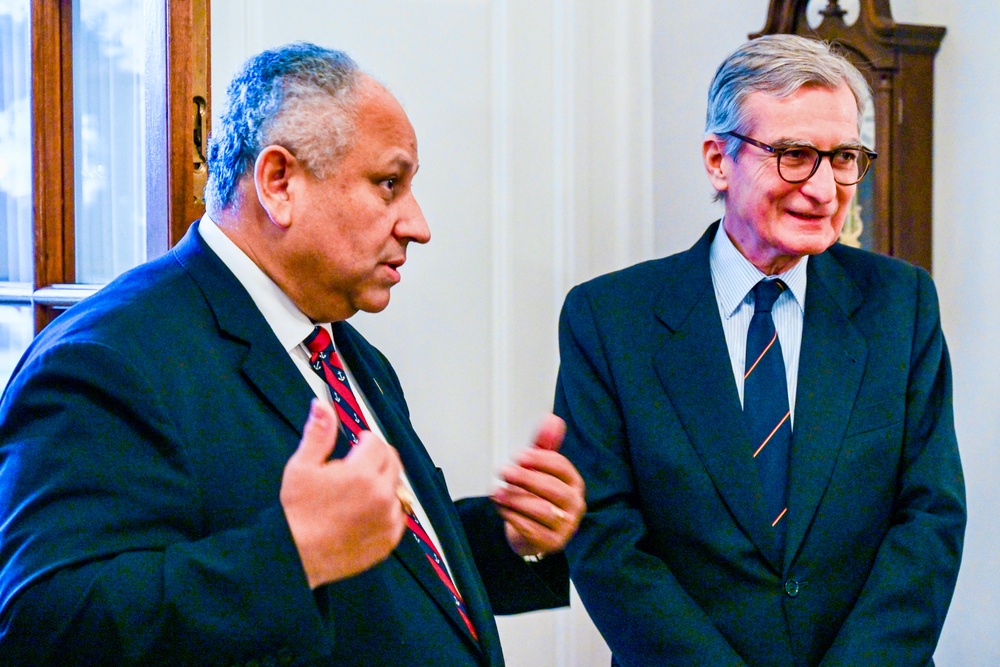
(299, 96)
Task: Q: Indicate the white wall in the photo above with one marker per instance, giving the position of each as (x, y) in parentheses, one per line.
(553, 133)
(967, 273)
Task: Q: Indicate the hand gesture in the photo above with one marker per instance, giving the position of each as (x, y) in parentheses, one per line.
(542, 501)
(344, 515)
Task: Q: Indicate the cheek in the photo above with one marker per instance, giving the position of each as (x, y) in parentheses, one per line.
(846, 199)
(845, 202)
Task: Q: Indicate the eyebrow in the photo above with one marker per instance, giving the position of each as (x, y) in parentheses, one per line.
(797, 143)
(402, 161)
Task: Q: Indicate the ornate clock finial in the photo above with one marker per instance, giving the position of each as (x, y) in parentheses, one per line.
(833, 9)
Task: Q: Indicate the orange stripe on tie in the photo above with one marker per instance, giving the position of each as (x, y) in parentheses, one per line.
(783, 513)
(773, 338)
(771, 435)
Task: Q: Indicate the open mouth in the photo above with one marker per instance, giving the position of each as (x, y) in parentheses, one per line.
(393, 266)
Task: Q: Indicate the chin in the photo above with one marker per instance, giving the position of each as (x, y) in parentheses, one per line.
(814, 244)
(374, 305)
(813, 248)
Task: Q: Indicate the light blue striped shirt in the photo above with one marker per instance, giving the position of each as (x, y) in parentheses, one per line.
(733, 277)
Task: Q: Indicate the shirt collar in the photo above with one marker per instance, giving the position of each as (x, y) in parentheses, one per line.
(290, 325)
(734, 275)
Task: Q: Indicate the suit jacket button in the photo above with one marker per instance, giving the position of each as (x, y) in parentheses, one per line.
(792, 588)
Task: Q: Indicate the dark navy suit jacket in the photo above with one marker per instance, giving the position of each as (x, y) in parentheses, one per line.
(142, 443)
(674, 560)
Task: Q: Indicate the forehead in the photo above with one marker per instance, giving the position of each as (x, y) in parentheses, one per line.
(811, 113)
(382, 126)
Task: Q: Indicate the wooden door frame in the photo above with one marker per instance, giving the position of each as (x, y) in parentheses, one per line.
(182, 51)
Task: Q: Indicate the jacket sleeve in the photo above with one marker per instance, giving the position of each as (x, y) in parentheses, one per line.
(106, 555)
(899, 615)
(513, 586)
(643, 612)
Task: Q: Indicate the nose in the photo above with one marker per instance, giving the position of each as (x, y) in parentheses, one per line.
(412, 225)
(821, 185)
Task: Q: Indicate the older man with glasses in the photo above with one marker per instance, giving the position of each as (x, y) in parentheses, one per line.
(764, 422)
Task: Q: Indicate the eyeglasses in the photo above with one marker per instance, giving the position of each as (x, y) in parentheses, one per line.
(797, 164)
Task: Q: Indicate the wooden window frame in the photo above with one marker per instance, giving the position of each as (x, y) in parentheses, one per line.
(182, 51)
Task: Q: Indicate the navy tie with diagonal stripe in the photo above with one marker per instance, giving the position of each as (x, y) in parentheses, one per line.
(326, 362)
(765, 406)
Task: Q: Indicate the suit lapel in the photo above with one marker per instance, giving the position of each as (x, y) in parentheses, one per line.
(831, 365)
(266, 366)
(696, 374)
(433, 495)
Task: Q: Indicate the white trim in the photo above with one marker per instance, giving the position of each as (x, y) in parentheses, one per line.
(15, 293)
(564, 96)
(564, 222)
(500, 292)
(64, 295)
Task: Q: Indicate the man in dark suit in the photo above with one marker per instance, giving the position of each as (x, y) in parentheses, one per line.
(772, 472)
(163, 498)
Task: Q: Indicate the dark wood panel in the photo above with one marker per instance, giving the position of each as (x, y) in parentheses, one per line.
(52, 151)
(188, 63)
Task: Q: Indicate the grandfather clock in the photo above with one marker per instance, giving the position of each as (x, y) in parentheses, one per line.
(891, 213)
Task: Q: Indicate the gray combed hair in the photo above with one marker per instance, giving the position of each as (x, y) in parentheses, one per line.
(777, 65)
(299, 96)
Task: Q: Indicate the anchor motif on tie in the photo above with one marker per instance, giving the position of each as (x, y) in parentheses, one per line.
(326, 363)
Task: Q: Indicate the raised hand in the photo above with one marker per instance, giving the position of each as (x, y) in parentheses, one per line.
(344, 515)
(542, 499)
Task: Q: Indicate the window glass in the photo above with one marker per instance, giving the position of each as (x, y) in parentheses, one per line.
(16, 331)
(109, 137)
(16, 263)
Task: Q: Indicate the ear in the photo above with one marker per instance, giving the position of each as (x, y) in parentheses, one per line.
(274, 175)
(713, 152)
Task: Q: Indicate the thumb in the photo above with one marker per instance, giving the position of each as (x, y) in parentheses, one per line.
(371, 451)
(319, 436)
(550, 433)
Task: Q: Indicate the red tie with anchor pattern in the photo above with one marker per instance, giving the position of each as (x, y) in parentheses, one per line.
(326, 362)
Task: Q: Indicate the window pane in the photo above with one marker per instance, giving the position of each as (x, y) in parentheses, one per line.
(109, 137)
(16, 330)
(15, 142)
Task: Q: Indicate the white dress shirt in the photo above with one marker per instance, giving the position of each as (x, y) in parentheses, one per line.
(733, 277)
(292, 327)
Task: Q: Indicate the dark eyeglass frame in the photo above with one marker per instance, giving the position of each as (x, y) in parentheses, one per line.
(778, 152)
